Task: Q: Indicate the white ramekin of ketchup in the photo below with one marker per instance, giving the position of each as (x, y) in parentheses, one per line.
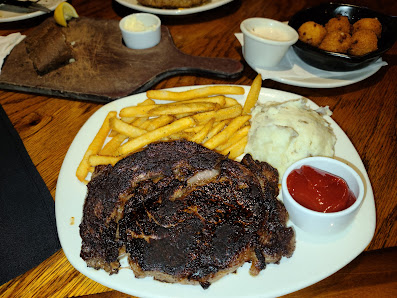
(322, 195)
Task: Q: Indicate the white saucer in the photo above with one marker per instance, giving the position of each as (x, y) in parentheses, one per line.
(292, 70)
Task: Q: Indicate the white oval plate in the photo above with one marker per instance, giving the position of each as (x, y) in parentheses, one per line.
(316, 78)
(181, 11)
(7, 16)
(313, 260)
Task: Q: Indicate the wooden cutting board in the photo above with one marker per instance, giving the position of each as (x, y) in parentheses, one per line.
(105, 69)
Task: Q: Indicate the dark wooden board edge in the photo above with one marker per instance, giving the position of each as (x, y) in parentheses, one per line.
(105, 99)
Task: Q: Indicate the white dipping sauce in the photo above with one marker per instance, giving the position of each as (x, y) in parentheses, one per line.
(133, 24)
(271, 33)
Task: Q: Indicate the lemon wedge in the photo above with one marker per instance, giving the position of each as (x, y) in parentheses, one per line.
(63, 13)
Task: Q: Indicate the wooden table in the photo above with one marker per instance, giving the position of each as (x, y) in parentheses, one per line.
(366, 111)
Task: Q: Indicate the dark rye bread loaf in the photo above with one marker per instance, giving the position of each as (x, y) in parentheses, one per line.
(49, 50)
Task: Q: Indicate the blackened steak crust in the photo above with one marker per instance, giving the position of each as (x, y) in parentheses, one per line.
(184, 213)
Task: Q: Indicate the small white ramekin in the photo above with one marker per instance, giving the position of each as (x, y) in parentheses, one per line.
(262, 52)
(321, 223)
(142, 39)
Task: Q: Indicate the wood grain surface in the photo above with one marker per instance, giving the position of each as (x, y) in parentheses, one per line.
(366, 111)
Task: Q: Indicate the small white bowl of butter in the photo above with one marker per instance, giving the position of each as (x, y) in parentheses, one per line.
(140, 30)
(266, 41)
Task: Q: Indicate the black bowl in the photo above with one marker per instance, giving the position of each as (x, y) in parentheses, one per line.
(335, 61)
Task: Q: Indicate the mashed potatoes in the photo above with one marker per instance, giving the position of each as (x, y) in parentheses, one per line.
(282, 133)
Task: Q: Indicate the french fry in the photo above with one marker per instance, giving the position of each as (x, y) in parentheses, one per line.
(155, 135)
(217, 127)
(200, 136)
(139, 121)
(236, 149)
(194, 107)
(94, 147)
(136, 111)
(194, 93)
(111, 146)
(179, 116)
(221, 114)
(253, 95)
(147, 102)
(96, 160)
(220, 99)
(229, 102)
(195, 129)
(226, 133)
(128, 120)
(125, 128)
(180, 135)
(154, 123)
(140, 108)
(113, 133)
(242, 132)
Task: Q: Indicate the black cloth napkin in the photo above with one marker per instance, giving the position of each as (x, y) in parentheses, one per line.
(28, 233)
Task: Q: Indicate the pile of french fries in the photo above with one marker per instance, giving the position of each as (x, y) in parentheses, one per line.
(205, 115)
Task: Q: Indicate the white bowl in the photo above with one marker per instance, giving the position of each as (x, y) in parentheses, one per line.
(266, 41)
(318, 222)
(140, 30)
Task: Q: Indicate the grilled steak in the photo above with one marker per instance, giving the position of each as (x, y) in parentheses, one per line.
(184, 213)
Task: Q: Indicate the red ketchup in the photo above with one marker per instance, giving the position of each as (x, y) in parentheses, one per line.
(319, 190)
